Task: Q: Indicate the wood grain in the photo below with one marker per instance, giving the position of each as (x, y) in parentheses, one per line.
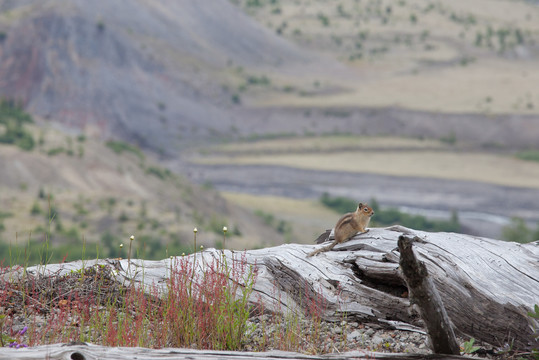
(94, 352)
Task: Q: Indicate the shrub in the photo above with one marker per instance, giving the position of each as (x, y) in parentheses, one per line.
(236, 99)
(119, 147)
(161, 173)
(55, 151)
(262, 80)
(13, 119)
(123, 217)
(41, 193)
(323, 19)
(283, 227)
(253, 3)
(449, 139)
(100, 25)
(518, 231)
(36, 209)
(529, 155)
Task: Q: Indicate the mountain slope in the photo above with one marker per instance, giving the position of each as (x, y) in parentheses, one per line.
(156, 73)
(166, 75)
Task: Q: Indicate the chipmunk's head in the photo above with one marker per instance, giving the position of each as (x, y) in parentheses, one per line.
(365, 209)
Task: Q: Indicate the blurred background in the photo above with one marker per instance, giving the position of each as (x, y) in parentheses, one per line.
(270, 117)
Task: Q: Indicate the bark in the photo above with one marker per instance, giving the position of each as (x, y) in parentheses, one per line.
(487, 286)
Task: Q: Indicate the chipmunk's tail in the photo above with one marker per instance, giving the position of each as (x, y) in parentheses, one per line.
(323, 237)
(323, 249)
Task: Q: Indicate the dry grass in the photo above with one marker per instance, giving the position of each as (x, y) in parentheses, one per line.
(472, 166)
(432, 64)
(456, 89)
(326, 144)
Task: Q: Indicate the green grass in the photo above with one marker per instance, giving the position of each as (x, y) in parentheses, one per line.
(528, 155)
(68, 244)
(120, 147)
(518, 231)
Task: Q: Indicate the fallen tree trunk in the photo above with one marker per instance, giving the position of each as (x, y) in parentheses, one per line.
(487, 286)
(95, 352)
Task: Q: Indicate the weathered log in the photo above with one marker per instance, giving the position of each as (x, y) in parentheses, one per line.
(423, 292)
(95, 352)
(488, 286)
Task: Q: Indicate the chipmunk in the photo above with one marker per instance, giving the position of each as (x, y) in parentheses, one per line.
(347, 226)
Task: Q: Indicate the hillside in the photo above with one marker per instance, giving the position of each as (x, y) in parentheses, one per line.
(416, 68)
(155, 73)
(168, 75)
(72, 192)
(456, 57)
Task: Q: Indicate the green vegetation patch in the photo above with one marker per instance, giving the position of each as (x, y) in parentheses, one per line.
(518, 231)
(119, 147)
(161, 173)
(12, 121)
(528, 155)
(282, 226)
(4, 215)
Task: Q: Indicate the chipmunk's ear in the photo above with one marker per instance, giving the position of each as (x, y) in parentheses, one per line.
(360, 205)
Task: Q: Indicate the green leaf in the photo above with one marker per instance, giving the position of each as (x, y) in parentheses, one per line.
(469, 348)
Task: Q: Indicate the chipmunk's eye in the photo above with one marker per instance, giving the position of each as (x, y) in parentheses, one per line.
(366, 210)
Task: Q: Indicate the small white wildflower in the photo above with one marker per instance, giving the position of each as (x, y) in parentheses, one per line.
(195, 230)
(225, 229)
(132, 238)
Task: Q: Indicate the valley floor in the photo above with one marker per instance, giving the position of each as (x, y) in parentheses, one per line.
(482, 208)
